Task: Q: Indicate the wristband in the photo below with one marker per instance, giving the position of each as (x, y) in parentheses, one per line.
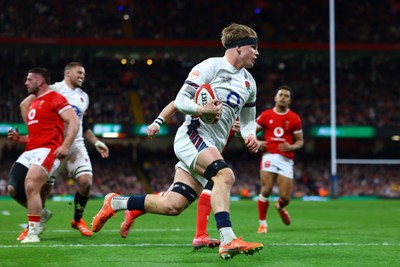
(100, 144)
(160, 120)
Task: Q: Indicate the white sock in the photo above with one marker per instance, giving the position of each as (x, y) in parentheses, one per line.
(263, 222)
(34, 228)
(262, 199)
(226, 235)
(119, 203)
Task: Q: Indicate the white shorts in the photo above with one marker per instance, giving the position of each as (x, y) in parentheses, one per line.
(187, 149)
(277, 163)
(43, 157)
(76, 163)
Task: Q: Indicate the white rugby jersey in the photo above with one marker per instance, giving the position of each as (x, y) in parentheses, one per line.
(235, 88)
(78, 100)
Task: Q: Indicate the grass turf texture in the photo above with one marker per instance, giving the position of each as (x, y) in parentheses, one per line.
(333, 233)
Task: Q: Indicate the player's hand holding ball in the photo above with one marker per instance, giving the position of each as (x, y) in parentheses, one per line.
(210, 107)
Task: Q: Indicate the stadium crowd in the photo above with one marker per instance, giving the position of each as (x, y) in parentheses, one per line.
(357, 21)
(364, 89)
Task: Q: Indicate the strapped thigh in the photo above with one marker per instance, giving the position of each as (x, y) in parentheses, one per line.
(185, 191)
(214, 168)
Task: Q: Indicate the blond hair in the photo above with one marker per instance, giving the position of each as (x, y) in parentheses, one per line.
(236, 32)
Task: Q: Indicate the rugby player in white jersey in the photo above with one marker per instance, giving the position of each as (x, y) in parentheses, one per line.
(77, 163)
(198, 145)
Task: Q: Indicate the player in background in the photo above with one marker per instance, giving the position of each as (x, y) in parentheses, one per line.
(77, 163)
(45, 143)
(198, 145)
(282, 136)
(201, 238)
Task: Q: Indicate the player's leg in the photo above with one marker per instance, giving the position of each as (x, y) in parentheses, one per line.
(81, 198)
(80, 167)
(34, 181)
(16, 189)
(182, 194)
(267, 180)
(213, 167)
(201, 238)
(131, 215)
(285, 186)
(16, 183)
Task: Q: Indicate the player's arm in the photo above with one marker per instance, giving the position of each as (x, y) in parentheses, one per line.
(13, 135)
(185, 104)
(298, 143)
(262, 144)
(248, 127)
(71, 120)
(25, 104)
(167, 112)
(89, 136)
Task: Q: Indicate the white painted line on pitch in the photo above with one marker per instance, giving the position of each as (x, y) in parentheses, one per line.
(41, 245)
(23, 226)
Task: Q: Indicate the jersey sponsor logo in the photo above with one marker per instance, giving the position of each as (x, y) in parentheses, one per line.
(278, 131)
(31, 117)
(77, 111)
(233, 100)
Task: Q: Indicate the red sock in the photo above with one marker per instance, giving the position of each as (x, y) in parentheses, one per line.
(203, 212)
(262, 209)
(33, 218)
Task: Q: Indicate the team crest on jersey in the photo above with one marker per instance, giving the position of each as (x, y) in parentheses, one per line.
(82, 100)
(247, 84)
(41, 103)
(286, 124)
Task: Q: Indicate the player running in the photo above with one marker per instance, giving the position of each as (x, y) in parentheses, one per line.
(198, 145)
(282, 136)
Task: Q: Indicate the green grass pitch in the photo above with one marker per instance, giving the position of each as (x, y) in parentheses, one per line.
(332, 233)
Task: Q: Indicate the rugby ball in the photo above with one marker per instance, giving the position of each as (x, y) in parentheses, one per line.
(205, 94)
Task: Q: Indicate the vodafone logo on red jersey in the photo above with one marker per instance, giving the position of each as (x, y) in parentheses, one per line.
(31, 116)
(278, 131)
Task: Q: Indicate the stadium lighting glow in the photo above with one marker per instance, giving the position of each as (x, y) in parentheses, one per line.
(149, 62)
(123, 61)
(126, 17)
(110, 135)
(396, 138)
(257, 11)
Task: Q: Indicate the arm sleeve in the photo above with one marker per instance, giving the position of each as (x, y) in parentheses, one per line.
(184, 100)
(247, 121)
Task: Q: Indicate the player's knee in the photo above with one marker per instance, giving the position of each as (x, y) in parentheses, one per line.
(265, 191)
(219, 170)
(225, 176)
(176, 208)
(84, 182)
